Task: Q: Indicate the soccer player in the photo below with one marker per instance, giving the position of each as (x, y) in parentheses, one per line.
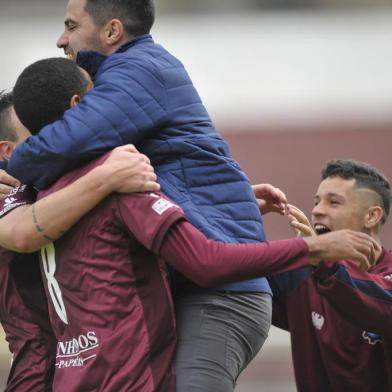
(340, 317)
(110, 300)
(23, 305)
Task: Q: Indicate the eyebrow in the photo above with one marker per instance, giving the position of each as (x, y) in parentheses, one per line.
(331, 194)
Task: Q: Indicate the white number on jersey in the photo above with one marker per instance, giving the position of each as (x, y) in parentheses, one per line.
(49, 265)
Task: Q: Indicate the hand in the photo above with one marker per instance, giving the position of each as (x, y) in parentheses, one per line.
(129, 171)
(270, 199)
(299, 222)
(7, 183)
(343, 245)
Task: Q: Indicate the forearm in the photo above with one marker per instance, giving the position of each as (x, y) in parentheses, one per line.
(50, 217)
(211, 263)
(85, 132)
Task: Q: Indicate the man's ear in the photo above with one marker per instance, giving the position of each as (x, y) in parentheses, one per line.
(373, 216)
(6, 149)
(75, 100)
(113, 32)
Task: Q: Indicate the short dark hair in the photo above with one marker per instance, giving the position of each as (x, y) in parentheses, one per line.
(6, 103)
(137, 16)
(365, 176)
(43, 91)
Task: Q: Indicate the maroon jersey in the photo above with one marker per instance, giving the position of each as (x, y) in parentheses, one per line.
(24, 313)
(111, 306)
(110, 302)
(340, 320)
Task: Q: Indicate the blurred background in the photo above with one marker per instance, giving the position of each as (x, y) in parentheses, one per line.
(290, 84)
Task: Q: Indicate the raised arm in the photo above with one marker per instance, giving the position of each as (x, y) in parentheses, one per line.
(365, 298)
(126, 105)
(29, 227)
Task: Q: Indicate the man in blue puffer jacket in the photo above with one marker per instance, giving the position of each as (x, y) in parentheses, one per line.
(143, 95)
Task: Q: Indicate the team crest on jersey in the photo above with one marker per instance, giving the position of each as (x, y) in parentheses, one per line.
(317, 320)
(372, 338)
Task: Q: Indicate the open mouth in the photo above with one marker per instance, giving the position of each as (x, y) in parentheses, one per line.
(70, 56)
(321, 229)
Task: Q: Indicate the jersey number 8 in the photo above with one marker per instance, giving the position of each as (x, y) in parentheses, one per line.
(49, 265)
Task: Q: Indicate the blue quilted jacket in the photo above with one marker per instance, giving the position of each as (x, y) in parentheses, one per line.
(144, 96)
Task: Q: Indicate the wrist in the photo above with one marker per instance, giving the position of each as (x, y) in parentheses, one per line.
(99, 180)
(314, 250)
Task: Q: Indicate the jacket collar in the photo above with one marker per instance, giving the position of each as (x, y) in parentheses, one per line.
(91, 60)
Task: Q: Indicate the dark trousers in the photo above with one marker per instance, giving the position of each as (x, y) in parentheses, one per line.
(219, 333)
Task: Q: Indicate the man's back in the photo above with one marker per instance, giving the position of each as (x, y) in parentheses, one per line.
(162, 113)
(110, 300)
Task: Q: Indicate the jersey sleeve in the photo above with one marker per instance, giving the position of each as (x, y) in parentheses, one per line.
(126, 105)
(210, 263)
(20, 196)
(365, 298)
(148, 217)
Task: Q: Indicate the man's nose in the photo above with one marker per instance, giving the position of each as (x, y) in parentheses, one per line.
(62, 42)
(318, 210)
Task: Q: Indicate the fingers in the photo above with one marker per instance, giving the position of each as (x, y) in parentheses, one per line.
(6, 179)
(267, 190)
(270, 198)
(369, 246)
(298, 214)
(7, 183)
(142, 181)
(127, 147)
(150, 186)
(363, 249)
(363, 262)
(301, 229)
(5, 191)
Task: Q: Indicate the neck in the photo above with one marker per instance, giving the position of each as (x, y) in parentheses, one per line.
(122, 42)
(377, 253)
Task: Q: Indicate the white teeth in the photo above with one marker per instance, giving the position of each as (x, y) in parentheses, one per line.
(321, 229)
(69, 56)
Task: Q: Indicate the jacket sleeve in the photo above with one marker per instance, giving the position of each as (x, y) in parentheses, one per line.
(361, 297)
(126, 105)
(279, 306)
(210, 263)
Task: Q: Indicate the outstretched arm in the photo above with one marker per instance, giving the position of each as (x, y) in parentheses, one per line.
(29, 227)
(210, 263)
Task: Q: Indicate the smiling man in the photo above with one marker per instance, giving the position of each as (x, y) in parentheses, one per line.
(339, 317)
(143, 95)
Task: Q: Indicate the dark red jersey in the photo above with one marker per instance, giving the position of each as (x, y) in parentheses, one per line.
(340, 320)
(111, 306)
(24, 313)
(110, 301)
